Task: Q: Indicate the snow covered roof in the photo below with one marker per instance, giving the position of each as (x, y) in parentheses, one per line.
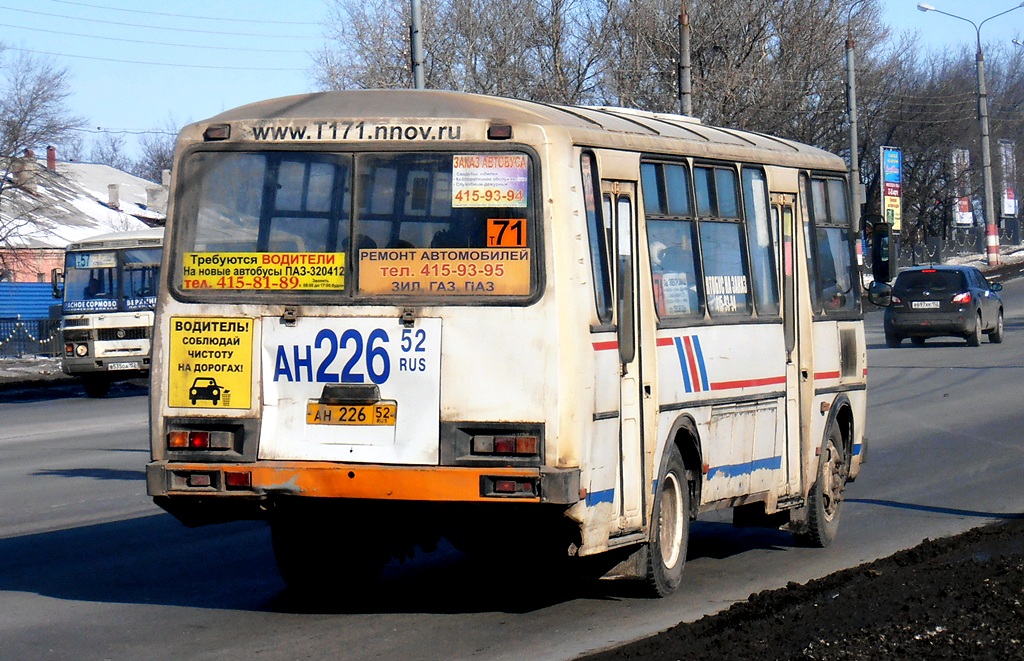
(70, 203)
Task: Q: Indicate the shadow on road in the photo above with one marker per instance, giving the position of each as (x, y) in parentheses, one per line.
(156, 560)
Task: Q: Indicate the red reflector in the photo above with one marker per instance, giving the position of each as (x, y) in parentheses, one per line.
(238, 480)
(505, 444)
(499, 132)
(217, 132)
(199, 439)
(505, 486)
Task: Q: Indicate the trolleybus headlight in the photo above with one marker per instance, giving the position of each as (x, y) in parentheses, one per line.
(81, 350)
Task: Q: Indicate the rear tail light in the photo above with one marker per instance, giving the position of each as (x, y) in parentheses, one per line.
(240, 480)
(897, 300)
(181, 439)
(965, 297)
(513, 486)
(509, 487)
(506, 445)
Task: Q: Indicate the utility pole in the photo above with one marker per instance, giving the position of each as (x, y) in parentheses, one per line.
(416, 39)
(851, 109)
(685, 97)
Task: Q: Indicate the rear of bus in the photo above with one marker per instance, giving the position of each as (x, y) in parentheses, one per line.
(352, 340)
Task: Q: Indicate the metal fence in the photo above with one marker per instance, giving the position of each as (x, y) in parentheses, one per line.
(914, 251)
(29, 337)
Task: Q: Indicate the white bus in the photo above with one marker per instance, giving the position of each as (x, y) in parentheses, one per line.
(559, 332)
(108, 291)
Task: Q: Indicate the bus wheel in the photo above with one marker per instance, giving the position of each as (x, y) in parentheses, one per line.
(317, 564)
(670, 527)
(96, 386)
(826, 494)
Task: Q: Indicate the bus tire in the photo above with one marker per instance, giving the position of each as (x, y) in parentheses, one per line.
(670, 527)
(96, 386)
(826, 493)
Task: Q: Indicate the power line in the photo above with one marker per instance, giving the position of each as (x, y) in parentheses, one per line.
(152, 27)
(150, 43)
(202, 18)
(155, 64)
(100, 129)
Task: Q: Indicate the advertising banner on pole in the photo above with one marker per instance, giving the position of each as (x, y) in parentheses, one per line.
(962, 214)
(1009, 165)
(892, 183)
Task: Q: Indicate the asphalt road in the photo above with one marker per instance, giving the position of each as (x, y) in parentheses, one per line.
(90, 569)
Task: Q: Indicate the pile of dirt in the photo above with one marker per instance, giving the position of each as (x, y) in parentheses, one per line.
(954, 598)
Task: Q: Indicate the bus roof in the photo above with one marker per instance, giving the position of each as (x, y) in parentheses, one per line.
(586, 125)
(133, 239)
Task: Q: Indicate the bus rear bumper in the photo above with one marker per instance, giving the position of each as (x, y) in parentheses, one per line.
(263, 479)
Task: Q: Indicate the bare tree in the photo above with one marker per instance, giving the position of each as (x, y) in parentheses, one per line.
(110, 149)
(548, 50)
(33, 114)
(157, 154)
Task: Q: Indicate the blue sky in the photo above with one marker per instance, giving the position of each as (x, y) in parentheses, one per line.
(139, 65)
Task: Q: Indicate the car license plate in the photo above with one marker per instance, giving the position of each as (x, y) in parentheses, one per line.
(381, 414)
(924, 305)
(122, 366)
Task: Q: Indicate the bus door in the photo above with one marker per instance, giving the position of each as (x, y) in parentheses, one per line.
(619, 206)
(796, 338)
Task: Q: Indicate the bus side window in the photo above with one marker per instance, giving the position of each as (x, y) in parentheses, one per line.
(671, 237)
(761, 242)
(722, 242)
(834, 286)
(598, 235)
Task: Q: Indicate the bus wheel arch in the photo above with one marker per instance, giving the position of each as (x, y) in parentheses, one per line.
(824, 498)
(675, 495)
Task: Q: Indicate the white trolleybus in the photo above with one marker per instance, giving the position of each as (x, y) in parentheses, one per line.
(545, 333)
(108, 286)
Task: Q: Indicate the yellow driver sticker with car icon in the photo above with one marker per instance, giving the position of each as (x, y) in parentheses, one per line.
(210, 363)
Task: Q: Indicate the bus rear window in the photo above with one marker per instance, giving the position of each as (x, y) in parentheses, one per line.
(424, 224)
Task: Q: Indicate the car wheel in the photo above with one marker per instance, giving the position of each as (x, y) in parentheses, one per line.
(996, 336)
(826, 494)
(917, 341)
(974, 338)
(892, 340)
(670, 529)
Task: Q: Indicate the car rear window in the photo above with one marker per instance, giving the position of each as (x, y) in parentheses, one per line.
(936, 281)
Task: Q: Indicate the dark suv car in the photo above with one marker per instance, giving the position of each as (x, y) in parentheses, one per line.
(936, 301)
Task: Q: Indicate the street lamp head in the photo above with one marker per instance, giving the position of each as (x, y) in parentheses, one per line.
(923, 7)
(1017, 42)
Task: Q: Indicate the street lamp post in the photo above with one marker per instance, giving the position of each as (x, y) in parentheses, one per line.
(991, 228)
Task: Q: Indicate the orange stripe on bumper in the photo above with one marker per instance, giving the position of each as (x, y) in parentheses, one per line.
(331, 480)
